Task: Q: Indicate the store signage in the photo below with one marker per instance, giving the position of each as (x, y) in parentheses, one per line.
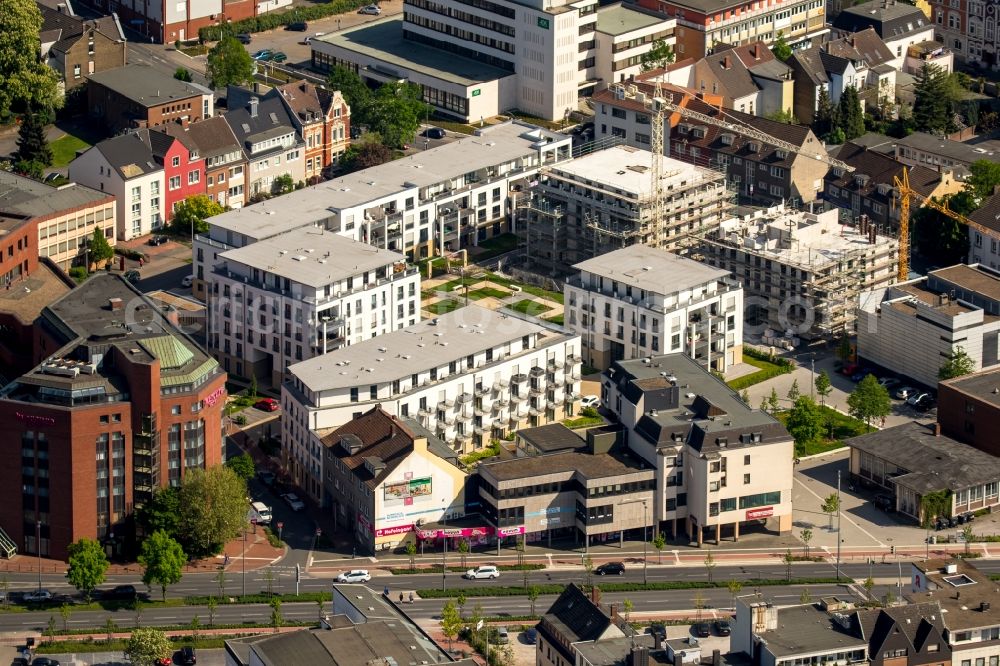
(32, 420)
(477, 92)
(766, 512)
(389, 531)
(510, 531)
(456, 532)
(214, 396)
(543, 23)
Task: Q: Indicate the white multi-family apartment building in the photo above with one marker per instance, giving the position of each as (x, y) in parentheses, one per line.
(301, 294)
(640, 300)
(470, 376)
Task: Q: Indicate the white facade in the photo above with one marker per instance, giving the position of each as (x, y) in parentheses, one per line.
(469, 376)
(641, 301)
(139, 199)
(301, 294)
(624, 35)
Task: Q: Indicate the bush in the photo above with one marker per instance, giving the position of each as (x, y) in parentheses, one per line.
(129, 253)
(273, 539)
(273, 20)
(512, 591)
(78, 273)
(768, 368)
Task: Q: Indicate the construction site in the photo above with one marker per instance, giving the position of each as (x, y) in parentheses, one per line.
(801, 272)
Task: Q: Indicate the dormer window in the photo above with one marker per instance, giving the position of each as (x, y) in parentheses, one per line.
(727, 139)
(781, 154)
(838, 172)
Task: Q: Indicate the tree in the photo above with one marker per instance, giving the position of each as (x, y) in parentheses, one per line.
(162, 512)
(888, 599)
(659, 56)
(849, 117)
(5, 590)
(110, 627)
(146, 646)
(463, 551)
(823, 387)
(931, 101)
(710, 566)
(283, 184)
(276, 618)
(958, 364)
(25, 80)
(220, 580)
(137, 607)
(32, 146)
(785, 116)
(451, 621)
(699, 603)
(99, 248)
(65, 611)
(533, 593)
(460, 601)
(806, 535)
(823, 118)
(659, 542)
(215, 509)
(395, 112)
(368, 151)
(793, 391)
(182, 74)
(868, 585)
(967, 536)
(163, 559)
(805, 597)
(869, 401)
(192, 213)
(735, 587)
(242, 465)
(939, 237)
(845, 351)
(229, 64)
(519, 547)
(745, 397)
(213, 606)
(195, 625)
(588, 567)
(87, 566)
(411, 552)
(350, 85)
(773, 404)
(805, 421)
(984, 177)
(781, 50)
(788, 559)
(627, 607)
(830, 506)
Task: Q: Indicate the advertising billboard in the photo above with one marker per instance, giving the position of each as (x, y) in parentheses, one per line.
(409, 488)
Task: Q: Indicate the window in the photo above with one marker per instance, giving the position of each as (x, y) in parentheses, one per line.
(746, 459)
(194, 177)
(76, 71)
(746, 479)
(176, 161)
(617, 113)
(175, 182)
(354, 394)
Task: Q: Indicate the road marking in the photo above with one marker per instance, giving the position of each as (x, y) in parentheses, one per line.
(677, 557)
(847, 518)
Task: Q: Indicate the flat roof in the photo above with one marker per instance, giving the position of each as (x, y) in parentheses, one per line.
(383, 40)
(983, 385)
(28, 297)
(934, 462)
(808, 630)
(146, 85)
(620, 20)
(261, 220)
(952, 149)
(551, 438)
(24, 196)
(629, 169)
(964, 610)
(410, 350)
(312, 256)
(589, 465)
(652, 269)
(976, 278)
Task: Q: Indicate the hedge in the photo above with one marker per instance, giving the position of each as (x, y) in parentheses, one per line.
(272, 20)
(436, 568)
(261, 598)
(550, 588)
(768, 368)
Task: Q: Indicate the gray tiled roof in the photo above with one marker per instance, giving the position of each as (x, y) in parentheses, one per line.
(272, 118)
(865, 45)
(130, 154)
(733, 75)
(891, 20)
(809, 62)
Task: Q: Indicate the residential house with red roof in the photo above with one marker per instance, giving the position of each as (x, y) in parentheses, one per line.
(323, 119)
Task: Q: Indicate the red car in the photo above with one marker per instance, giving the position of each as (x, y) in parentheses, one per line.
(267, 405)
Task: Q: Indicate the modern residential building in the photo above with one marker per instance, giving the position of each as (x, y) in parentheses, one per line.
(640, 301)
(383, 476)
(608, 200)
(701, 25)
(142, 96)
(970, 28)
(469, 376)
(76, 47)
(225, 164)
(127, 168)
(948, 309)
(323, 120)
(719, 463)
(122, 404)
(624, 33)
(301, 294)
(968, 409)
(164, 22)
(983, 241)
(65, 217)
(20, 306)
(270, 141)
(914, 460)
(801, 272)
(900, 25)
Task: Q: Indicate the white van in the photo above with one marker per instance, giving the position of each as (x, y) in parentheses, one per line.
(261, 512)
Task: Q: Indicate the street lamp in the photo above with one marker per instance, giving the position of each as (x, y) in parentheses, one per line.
(38, 549)
(645, 522)
(244, 558)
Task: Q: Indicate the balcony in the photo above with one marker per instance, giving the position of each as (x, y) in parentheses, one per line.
(482, 391)
(446, 403)
(464, 398)
(537, 371)
(519, 378)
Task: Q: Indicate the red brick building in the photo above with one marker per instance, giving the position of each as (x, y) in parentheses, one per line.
(138, 96)
(122, 404)
(323, 120)
(77, 47)
(183, 20)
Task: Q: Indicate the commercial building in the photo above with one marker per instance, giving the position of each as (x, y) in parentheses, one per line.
(468, 376)
(301, 294)
(801, 272)
(270, 141)
(166, 22)
(383, 477)
(20, 305)
(624, 33)
(915, 461)
(122, 404)
(900, 25)
(718, 462)
(949, 309)
(323, 120)
(141, 96)
(65, 218)
(968, 409)
(969, 27)
(224, 163)
(641, 301)
(76, 47)
(740, 22)
(608, 200)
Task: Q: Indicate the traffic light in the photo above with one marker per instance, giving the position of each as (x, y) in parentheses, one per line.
(892, 550)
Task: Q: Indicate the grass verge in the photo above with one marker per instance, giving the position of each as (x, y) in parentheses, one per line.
(530, 307)
(558, 320)
(839, 427)
(64, 149)
(518, 591)
(766, 369)
(487, 292)
(443, 307)
(493, 247)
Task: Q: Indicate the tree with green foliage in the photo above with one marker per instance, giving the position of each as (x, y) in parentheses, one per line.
(869, 401)
(984, 177)
(350, 85)
(958, 364)
(830, 506)
(87, 566)
(588, 567)
(229, 64)
(110, 627)
(213, 606)
(162, 512)
(163, 560)
(849, 117)
(276, 617)
(780, 48)
(395, 112)
(793, 391)
(745, 397)
(451, 621)
(806, 536)
(65, 611)
(785, 116)
(242, 465)
(805, 421)
(868, 585)
(99, 249)
(967, 537)
(147, 646)
(805, 597)
(709, 563)
(659, 56)
(823, 387)
(252, 389)
(533, 594)
(411, 552)
(940, 238)
(735, 587)
(789, 560)
(823, 118)
(659, 542)
(366, 152)
(26, 82)
(932, 100)
(182, 74)
(463, 551)
(283, 184)
(215, 509)
(33, 152)
(773, 403)
(191, 214)
(845, 350)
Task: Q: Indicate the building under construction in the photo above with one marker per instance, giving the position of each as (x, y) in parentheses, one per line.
(801, 272)
(608, 200)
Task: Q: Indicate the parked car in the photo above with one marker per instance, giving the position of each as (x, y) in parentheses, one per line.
(293, 501)
(722, 628)
(917, 397)
(702, 630)
(164, 661)
(267, 405)
(244, 38)
(610, 569)
(132, 276)
(371, 10)
(354, 576)
(187, 656)
(267, 478)
(889, 383)
(187, 281)
(52, 177)
(262, 55)
(503, 636)
(485, 571)
(157, 240)
(37, 596)
(884, 502)
(279, 56)
(590, 401)
(860, 374)
(44, 661)
(849, 369)
(905, 392)
(925, 403)
(434, 133)
(123, 592)
(298, 26)
(530, 636)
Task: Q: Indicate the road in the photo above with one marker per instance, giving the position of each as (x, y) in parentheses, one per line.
(214, 657)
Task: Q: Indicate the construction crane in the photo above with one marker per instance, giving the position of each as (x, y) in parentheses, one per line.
(904, 193)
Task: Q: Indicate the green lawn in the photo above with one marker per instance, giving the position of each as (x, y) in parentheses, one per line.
(840, 427)
(583, 422)
(443, 307)
(766, 370)
(530, 307)
(555, 296)
(557, 320)
(488, 292)
(64, 149)
(496, 246)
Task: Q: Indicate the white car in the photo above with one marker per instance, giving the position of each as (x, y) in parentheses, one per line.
(187, 281)
(590, 401)
(916, 397)
(371, 10)
(354, 576)
(905, 392)
(486, 571)
(293, 501)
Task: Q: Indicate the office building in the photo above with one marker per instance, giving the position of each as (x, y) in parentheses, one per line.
(801, 272)
(142, 96)
(948, 309)
(121, 405)
(641, 301)
(968, 409)
(719, 463)
(609, 199)
(301, 294)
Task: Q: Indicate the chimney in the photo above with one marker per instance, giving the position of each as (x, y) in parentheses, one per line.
(639, 656)
(614, 611)
(115, 304)
(657, 640)
(937, 429)
(678, 659)
(253, 106)
(725, 62)
(716, 658)
(595, 596)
